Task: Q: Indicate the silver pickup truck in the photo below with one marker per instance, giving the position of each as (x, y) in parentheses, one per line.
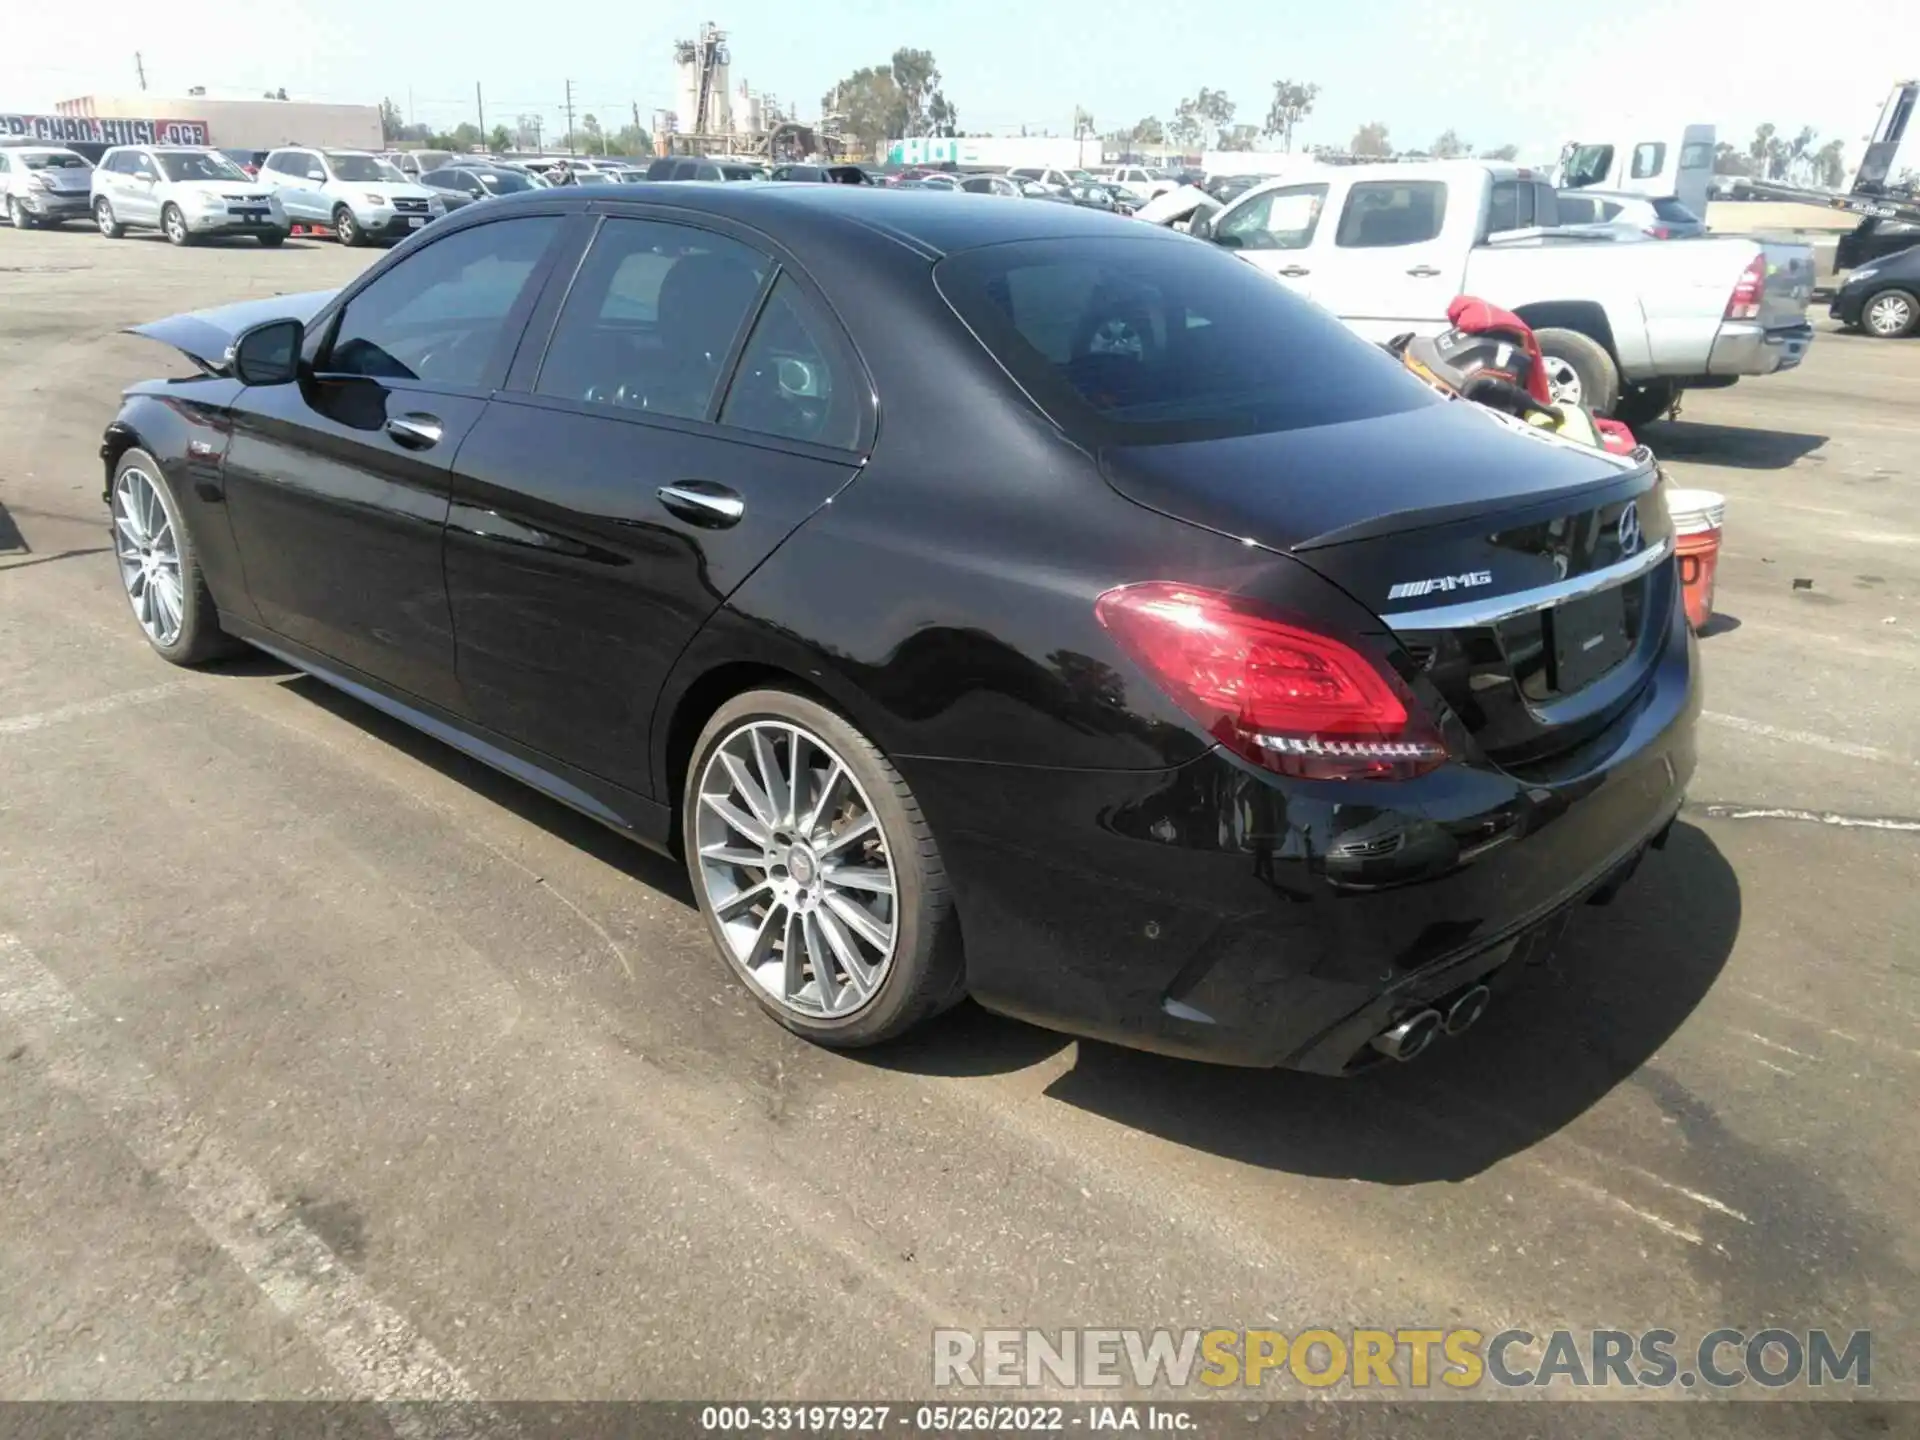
(1625, 326)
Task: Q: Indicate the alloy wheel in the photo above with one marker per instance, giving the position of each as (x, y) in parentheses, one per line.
(346, 228)
(1563, 381)
(176, 226)
(1889, 315)
(103, 217)
(16, 213)
(795, 868)
(148, 548)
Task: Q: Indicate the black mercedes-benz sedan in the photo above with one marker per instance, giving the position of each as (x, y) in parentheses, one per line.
(990, 599)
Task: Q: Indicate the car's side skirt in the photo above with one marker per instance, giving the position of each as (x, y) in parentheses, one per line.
(619, 809)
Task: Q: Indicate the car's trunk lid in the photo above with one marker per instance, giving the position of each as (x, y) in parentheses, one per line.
(1526, 577)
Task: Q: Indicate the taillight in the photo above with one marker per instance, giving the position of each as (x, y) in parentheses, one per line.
(1288, 699)
(1745, 304)
(1660, 232)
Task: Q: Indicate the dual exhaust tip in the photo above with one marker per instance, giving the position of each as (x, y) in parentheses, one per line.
(1407, 1038)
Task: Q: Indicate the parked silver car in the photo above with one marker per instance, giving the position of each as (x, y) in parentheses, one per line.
(43, 185)
(352, 192)
(186, 194)
(1628, 217)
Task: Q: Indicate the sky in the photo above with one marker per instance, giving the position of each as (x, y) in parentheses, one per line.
(1494, 74)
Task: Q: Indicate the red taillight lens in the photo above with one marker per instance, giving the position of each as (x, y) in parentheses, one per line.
(1745, 304)
(1288, 699)
(1660, 232)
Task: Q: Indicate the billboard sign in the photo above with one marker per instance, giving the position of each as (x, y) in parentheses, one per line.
(93, 130)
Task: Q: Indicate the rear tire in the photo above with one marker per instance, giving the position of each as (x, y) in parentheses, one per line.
(1579, 370)
(347, 229)
(103, 217)
(920, 974)
(1643, 404)
(1890, 314)
(17, 215)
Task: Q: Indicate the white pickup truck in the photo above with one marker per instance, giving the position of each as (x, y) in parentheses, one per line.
(1625, 326)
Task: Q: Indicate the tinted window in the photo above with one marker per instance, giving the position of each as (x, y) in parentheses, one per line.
(1503, 207)
(1546, 205)
(1278, 220)
(1145, 341)
(791, 380)
(443, 314)
(1673, 210)
(660, 170)
(1382, 213)
(1648, 159)
(356, 168)
(1576, 210)
(1610, 209)
(1696, 157)
(52, 160)
(651, 318)
(706, 172)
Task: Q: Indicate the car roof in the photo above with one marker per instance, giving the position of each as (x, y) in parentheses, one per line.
(933, 222)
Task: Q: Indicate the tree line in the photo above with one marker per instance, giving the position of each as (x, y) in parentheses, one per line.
(589, 137)
(1771, 155)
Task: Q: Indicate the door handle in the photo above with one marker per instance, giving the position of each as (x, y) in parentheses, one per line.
(1424, 272)
(1294, 272)
(701, 502)
(414, 432)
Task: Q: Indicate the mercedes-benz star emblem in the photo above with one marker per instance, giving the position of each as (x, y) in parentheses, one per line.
(1629, 531)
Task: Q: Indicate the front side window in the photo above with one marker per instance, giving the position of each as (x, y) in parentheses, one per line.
(792, 380)
(1282, 219)
(447, 313)
(1383, 213)
(651, 318)
(185, 165)
(144, 167)
(1648, 159)
(1152, 341)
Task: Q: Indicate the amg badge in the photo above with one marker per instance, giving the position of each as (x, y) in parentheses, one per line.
(1407, 589)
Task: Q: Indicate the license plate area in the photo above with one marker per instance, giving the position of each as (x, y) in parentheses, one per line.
(416, 222)
(1587, 636)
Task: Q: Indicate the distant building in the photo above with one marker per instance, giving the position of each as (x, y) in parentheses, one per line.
(246, 124)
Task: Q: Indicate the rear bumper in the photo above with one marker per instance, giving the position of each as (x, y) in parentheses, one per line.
(1223, 914)
(43, 206)
(1746, 348)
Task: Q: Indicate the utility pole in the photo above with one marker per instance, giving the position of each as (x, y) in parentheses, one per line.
(539, 147)
(636, 122)
(570, 117)
(140, 68)
(481, 106)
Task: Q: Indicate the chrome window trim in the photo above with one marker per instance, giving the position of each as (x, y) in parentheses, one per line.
(1472, 613)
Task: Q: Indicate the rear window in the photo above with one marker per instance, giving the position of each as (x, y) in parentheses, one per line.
(1674, 211)
(54, 160)
(1163, 340)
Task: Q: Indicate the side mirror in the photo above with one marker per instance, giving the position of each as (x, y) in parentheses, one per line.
(319, 175)
(1201, 227)
(268, 354)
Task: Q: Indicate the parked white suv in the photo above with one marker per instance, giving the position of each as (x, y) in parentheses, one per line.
(352, 192)
(185, 193)
(1138, 181)
(43, 185)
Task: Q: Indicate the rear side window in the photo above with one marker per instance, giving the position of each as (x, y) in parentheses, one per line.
(1674, 211)
(1696, 156)
(446, 313)
(1577, 210)
(793, 380)
(1384, 213)
(1149, 341)
(1648, 159)
(651, 318)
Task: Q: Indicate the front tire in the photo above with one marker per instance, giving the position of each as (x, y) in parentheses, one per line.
(1890, 314)
(160, 566)
(348, 229)
(1579, 370)
(174, 224)
(103, 217)
(17, 215)
(818, 876)
(272, 239)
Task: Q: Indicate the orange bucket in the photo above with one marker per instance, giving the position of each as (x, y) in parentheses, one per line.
(1699, 520)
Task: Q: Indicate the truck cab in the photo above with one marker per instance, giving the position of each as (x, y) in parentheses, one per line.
(1676, 163)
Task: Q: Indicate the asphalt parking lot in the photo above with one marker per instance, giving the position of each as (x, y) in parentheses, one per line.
(334, 1065)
